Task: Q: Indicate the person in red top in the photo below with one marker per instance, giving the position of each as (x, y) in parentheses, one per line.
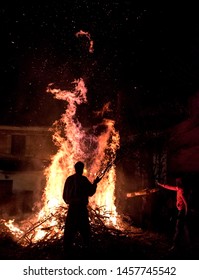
(77, 190)
(182, 207)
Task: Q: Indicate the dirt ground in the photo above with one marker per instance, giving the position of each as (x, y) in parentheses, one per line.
(136, 244)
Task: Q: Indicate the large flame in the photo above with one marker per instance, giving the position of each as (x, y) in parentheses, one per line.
(74, 142)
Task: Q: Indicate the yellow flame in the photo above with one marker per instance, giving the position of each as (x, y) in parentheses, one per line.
(14, 229)
(73, 144)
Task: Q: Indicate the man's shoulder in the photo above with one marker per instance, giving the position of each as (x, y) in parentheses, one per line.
(85, 178)
(70, 178)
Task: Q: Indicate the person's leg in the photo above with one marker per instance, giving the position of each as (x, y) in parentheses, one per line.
(69, 233)
(84, 228)
(179, 229)
(85, 233)
(187, 233)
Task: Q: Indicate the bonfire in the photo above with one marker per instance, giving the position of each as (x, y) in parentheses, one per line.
(74, 142)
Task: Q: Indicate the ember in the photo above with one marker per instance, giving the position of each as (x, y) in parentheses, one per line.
(83, 33)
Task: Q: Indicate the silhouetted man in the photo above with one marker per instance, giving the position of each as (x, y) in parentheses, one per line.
(77, 189)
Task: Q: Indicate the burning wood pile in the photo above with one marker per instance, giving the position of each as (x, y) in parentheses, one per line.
(51, 233)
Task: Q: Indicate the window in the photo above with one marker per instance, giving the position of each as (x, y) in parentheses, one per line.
(18, 145)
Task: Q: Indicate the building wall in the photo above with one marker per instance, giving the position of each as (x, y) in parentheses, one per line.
(37, 141)
(25, 152)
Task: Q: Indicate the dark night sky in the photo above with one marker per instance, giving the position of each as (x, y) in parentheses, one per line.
(150, 55)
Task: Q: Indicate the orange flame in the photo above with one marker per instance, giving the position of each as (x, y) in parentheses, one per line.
(73, 147)
(83, 33)
(75, 143)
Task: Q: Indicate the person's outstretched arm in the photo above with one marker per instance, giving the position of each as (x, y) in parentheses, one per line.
(172, 188)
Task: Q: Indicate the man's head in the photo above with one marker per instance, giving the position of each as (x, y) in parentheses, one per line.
(179, 182)
(79, 167)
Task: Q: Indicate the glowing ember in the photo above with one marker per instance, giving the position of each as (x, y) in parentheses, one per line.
(83, 33)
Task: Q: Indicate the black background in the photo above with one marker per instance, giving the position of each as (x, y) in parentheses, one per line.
(149, 55)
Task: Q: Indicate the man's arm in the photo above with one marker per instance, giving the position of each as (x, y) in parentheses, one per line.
(172, 188)
(92, 186)
(97, 180)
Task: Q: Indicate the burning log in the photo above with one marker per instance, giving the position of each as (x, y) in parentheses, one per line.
(96, 217)
(145, 191)
(48, 228)
(52, 231)
(32, 231)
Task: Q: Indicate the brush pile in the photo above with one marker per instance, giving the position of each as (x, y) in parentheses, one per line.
(108, 242)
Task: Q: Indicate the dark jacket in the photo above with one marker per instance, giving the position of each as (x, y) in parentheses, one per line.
(77, 189)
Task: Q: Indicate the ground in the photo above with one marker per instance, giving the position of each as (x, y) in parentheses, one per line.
(136, 244)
